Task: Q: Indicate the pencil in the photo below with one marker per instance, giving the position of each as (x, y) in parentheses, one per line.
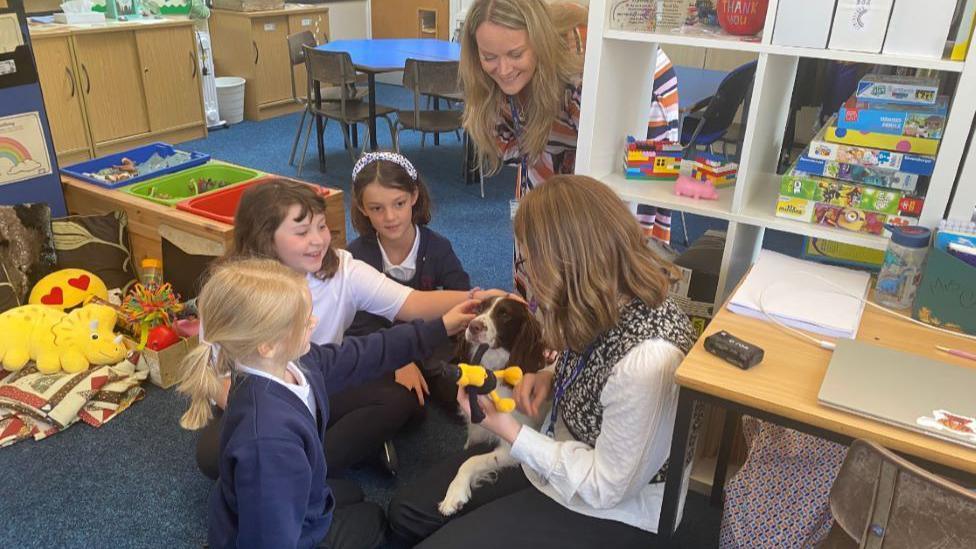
(956, 352)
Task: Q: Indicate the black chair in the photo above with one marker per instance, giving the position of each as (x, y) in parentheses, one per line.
(710, 120)
(336, 69)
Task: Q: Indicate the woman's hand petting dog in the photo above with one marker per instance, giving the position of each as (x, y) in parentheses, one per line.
(409, 376)
(460, 315)
(532, 391)
(504, 425)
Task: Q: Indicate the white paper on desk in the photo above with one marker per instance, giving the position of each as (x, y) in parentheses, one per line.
(792, 292)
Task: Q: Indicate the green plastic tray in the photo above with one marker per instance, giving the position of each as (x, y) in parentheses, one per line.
(170, 189)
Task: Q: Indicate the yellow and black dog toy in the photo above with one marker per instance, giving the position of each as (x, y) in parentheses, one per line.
(478, 380)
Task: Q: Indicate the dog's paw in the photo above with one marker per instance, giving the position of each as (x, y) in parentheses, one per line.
(455, 499)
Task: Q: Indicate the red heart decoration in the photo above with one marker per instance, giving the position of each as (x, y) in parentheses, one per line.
(81, 282)
(56, 297)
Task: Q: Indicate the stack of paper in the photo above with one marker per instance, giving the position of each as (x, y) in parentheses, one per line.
(802, 294)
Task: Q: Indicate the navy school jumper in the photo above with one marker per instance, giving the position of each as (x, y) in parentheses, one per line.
(272, 490)
(438, 268)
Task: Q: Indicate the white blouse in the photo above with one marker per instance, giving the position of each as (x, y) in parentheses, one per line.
(610, 480)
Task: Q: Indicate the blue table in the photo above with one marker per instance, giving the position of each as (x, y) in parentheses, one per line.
(375, 56)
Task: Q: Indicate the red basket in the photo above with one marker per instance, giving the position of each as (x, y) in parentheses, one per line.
(222, 205)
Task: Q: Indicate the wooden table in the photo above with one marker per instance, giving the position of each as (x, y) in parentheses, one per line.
(147, 219)
(783, 389)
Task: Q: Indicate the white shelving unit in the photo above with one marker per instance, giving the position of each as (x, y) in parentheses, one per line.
(617, 81)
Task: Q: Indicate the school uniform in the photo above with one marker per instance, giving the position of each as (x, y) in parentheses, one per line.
(430, 265)
(272, 489)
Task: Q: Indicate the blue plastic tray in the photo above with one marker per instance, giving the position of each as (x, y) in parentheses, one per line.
(138, 155)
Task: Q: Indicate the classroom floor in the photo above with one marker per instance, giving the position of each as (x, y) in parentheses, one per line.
(134, 482)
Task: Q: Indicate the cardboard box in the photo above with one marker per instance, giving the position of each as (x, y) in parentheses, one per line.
(822, 149)
(860, 25)
(888, 142)
(925, 121)
(798, 209)
(879, 177)
(849, 219)
(907, 90)
(919, 28)
(803, 23)
(839, 193)
(839, 253)
(164, 366)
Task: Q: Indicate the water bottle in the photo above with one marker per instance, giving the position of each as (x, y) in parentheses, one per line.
(152, 272)
(902, 268)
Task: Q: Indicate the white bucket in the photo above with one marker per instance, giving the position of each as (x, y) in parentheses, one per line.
(230, 98)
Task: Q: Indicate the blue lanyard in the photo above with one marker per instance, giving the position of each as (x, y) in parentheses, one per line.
(562, 386)
(523, 165)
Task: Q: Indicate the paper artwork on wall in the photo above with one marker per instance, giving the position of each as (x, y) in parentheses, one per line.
(23, 149)
(10, 35)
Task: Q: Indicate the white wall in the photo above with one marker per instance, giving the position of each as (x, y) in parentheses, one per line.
(348, 19)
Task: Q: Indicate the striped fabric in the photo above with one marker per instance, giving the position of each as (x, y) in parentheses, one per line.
(663, 122)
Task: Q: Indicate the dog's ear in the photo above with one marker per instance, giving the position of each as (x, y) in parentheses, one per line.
(527, 349)
(461, 348)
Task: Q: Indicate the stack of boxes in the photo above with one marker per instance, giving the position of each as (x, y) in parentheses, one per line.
(869, 166)
(652, 160)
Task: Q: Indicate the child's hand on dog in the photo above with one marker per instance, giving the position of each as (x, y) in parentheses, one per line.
(532, 391)
(460, 315)
(503, 425)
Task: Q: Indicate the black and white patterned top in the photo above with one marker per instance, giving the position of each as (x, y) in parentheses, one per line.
(580, 406)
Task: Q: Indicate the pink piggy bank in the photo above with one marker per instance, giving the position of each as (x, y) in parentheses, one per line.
(686, 186)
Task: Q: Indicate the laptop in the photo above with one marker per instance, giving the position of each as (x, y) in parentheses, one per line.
(910, 391)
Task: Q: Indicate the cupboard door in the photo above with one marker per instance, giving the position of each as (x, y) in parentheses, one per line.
(170, 77)
(272, 71)
(318, 24)
(62, 95)
(111, 83)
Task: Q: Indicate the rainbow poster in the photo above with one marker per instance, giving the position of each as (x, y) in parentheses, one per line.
(23, 151)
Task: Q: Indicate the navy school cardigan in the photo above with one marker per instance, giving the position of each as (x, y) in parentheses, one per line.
(438, 268)
(272, 490)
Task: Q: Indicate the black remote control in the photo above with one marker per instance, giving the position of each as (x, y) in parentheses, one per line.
(733, 350)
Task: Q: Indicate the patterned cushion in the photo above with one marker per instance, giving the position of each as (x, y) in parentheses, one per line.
(26, 249)
(98, 244)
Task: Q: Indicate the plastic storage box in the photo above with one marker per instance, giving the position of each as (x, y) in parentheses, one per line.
(170, 189)
(222, 205)
(84, 170)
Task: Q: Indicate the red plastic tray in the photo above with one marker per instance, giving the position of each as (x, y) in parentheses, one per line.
(222, 205)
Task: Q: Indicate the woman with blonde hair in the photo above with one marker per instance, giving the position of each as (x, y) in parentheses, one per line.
(271, 490)
(593, 474)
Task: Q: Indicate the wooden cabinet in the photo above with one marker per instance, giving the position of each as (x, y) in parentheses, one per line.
(411, 19)
(272, 71)
(62, 98)
(111, 83)
(170, 77)
(318, 24)
(120, 85)
(253, 45)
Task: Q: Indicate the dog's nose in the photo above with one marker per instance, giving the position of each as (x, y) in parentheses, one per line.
(476, 326)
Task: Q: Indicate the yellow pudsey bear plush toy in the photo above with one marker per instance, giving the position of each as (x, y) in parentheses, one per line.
(57, 341)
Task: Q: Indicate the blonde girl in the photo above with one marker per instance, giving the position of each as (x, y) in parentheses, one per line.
(272, 489)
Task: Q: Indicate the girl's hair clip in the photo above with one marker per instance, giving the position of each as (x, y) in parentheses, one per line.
(396, 158)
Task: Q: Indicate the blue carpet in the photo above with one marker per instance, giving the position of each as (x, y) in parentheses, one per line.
(134, 482)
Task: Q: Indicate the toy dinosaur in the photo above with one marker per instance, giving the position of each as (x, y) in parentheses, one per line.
(476, 381)
(57, 341)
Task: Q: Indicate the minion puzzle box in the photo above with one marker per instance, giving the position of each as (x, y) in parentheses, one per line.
(839, 193)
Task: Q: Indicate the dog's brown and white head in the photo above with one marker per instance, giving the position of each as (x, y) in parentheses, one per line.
(512, 334)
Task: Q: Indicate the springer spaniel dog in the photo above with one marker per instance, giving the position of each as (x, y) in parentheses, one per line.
(504, 334)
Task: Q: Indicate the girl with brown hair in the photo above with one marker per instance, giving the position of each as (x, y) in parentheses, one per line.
(593, 474)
